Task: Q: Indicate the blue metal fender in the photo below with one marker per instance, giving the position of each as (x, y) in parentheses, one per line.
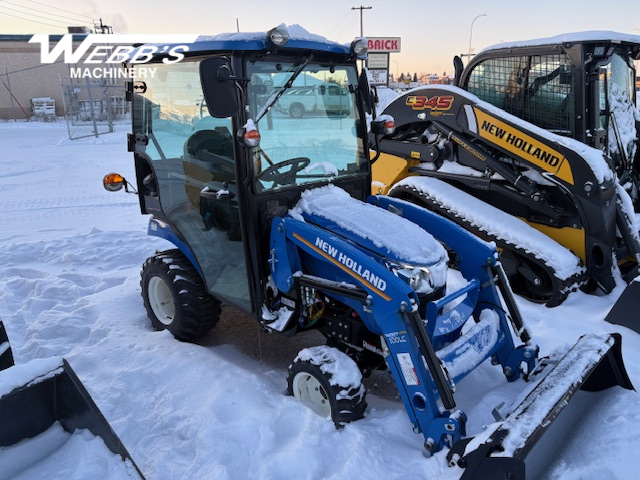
(158, 228)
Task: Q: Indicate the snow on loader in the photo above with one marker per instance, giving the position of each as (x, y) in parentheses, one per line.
(578, 86)
(293, 237)
(43, 402)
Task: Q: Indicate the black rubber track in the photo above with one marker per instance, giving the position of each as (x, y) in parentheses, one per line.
(553, 290)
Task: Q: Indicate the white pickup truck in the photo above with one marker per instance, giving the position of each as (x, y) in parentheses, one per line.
(327, 98)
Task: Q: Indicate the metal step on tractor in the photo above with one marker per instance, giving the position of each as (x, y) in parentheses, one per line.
(273, 214)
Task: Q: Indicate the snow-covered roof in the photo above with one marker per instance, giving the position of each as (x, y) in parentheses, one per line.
(299, 38)
(574, 37)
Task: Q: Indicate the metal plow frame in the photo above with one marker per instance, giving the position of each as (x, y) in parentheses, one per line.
(512, 448)
(56, 395)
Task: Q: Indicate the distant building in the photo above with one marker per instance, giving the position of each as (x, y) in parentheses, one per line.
(23, 77)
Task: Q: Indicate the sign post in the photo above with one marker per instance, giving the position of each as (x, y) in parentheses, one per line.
(378, 58)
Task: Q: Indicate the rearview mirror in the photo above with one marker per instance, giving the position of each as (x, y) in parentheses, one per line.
(219, 87)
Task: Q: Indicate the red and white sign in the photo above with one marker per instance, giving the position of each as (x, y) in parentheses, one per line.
(384, 44)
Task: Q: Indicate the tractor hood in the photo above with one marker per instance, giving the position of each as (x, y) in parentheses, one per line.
(373, 228)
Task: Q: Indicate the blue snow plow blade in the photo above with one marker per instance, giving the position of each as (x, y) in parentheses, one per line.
(514, 448)
(39, 395)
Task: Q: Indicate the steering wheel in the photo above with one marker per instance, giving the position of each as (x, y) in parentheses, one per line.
(273, 173)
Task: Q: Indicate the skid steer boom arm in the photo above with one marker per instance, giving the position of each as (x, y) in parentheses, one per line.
(525, 171)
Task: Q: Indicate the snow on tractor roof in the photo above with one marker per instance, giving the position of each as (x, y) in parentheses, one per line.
(299, 38)
(574, 37)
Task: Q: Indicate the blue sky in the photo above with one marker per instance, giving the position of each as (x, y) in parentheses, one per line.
(432, 32)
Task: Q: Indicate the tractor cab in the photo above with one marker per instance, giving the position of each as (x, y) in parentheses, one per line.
(218, 157)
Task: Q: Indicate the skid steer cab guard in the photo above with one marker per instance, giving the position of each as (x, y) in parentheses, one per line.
(294, 237)
(43, 404)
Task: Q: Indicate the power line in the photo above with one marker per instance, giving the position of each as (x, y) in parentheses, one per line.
(61, 9)
(33, 15)
(342, 32)
(338, 25)
(39, 11)
(29, 20)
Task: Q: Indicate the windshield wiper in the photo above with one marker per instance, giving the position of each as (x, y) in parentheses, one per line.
(274, 98)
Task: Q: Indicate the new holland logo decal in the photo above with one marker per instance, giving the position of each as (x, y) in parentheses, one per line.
(348, 265)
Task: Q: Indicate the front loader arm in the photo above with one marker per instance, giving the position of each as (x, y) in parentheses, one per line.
(389, 307)
(389, 310)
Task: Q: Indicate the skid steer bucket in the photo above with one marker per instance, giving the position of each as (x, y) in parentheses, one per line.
(42, 405)
(514, 448)
(625, 311)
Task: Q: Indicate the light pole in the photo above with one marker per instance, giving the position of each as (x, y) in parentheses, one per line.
(471, 31)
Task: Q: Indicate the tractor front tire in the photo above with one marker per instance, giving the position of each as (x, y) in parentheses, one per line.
(311, 382)
(175, 296)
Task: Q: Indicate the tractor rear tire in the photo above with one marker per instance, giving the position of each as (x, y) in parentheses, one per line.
(310, 381)
(175, 296)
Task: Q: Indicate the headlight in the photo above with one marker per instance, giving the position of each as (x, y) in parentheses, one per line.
(279, 35)
(421, 278)
(360, 47)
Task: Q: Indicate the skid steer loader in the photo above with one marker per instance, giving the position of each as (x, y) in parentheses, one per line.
(43, 402)
(292, 235)
(578, 86)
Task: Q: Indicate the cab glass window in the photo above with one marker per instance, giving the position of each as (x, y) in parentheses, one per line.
(309, 133)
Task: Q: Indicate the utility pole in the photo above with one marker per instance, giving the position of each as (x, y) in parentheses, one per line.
(361, 8)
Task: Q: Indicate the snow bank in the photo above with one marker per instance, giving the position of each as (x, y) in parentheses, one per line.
(57, 453)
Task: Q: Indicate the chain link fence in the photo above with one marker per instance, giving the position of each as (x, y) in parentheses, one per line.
(92, 107)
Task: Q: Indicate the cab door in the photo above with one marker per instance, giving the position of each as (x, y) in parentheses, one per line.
(185, 163)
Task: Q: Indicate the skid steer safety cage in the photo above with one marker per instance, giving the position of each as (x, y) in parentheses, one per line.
(537, 88)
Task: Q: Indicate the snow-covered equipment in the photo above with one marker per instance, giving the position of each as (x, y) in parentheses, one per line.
(293, 237)
(43, 406)
(530, 183)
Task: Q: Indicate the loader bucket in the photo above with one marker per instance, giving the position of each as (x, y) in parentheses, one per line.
(42, 405)
(625, 311)
(514, 448)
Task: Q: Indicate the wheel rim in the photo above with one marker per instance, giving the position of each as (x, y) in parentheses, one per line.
(310, 392)
(161, 301)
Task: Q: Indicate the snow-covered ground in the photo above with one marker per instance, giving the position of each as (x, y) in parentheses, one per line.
(69, 286)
